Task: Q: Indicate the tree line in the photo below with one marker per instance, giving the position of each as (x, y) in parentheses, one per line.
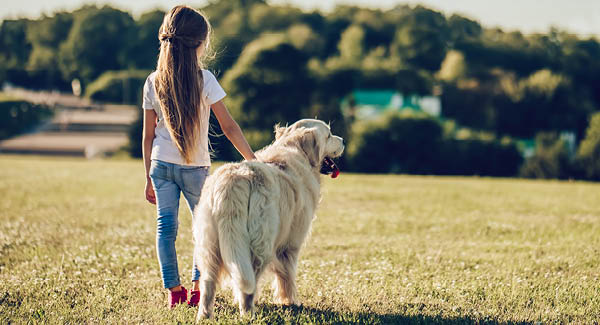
(279, 63)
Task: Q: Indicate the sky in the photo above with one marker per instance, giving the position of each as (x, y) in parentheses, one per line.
(580, 17)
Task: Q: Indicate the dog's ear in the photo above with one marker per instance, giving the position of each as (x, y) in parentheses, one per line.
(310, 145)
(280, 130)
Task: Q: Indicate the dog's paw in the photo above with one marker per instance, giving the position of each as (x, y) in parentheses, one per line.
(203, 315)
(247, 314)
(286, 302)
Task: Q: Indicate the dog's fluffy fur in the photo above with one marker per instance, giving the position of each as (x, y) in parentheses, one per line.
(255, 215)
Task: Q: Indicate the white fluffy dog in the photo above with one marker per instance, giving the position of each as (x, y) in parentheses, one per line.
(255, 215)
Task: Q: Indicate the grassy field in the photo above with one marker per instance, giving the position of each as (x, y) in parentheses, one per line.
(77, 246)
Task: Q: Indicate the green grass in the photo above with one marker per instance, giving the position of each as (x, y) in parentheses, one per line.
(77, 246)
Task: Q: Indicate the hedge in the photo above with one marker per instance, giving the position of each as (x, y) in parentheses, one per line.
(123, 87)
(418, 144)
(18, 116)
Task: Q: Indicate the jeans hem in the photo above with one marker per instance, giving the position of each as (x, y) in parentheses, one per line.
(171, 284)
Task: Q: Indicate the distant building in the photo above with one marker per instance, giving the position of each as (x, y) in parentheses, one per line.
(366, 104)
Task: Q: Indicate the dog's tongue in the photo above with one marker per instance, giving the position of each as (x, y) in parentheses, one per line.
(336, 172)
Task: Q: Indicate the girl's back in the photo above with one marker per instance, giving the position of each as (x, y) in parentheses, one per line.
(163, 147)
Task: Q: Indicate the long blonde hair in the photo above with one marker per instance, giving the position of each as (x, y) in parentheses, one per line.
(179, 80)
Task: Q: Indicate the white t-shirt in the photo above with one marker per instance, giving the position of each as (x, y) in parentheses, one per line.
(163, 147)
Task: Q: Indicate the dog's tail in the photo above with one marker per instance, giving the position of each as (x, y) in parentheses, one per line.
(234, 240)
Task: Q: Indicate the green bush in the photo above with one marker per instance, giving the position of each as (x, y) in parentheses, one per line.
(551, 160)
(135, 136)
(269, 84)
(588, 155)
(17, 116)
(485, 157)
(123, 87)
(417, 144)
(395, 143)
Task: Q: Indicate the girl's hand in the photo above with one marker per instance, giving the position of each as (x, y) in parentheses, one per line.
(150, 196)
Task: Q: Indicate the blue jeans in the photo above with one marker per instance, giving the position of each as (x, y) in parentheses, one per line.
(169, 181)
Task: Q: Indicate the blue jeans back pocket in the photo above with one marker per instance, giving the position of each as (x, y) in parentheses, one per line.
(193, 179)
(159, 170)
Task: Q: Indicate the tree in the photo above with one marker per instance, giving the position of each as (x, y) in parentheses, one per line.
(463, 29)
(351, 45)
(588, 155)
(14, 45)
(230, 20)
(551, 159)
(46, 35)
(421, 39)
(454, 67)
(543, 101)
(269, 84)
(50, 31)
(14, 50)
(580, 61)
(143, 54)
(305, 39)
(263, 17)
(99, 40)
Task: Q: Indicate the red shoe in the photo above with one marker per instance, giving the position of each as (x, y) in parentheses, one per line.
(177, 297)
(194, 298)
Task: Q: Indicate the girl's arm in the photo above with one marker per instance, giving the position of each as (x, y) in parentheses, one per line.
(232, 130)
(147, 138)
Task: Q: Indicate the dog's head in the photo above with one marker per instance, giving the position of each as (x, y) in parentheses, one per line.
(314, 138)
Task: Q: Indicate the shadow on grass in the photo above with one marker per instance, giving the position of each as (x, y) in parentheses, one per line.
(276, 314)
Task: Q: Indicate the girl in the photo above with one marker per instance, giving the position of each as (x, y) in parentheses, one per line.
(177, 98)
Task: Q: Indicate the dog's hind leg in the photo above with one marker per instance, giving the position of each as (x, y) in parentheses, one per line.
(246, 304)
(207, 299)
(247, 301)
(210, 265)
(284, 267)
